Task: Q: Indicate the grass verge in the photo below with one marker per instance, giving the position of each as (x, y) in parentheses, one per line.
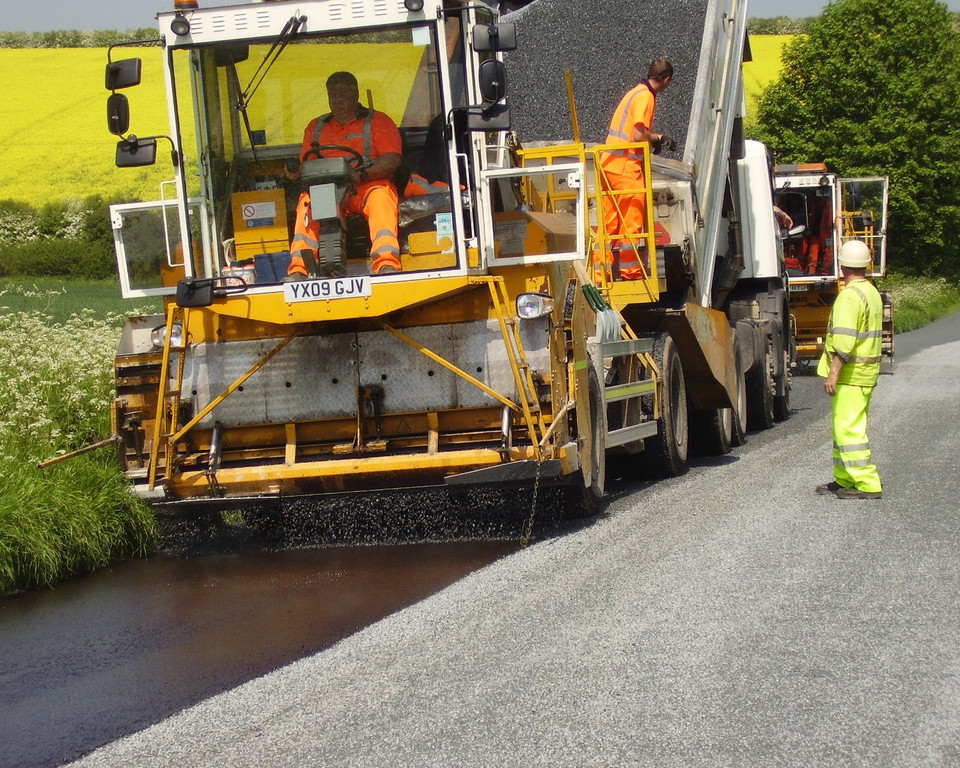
(918, 301)
(56, 384)
(66, 520)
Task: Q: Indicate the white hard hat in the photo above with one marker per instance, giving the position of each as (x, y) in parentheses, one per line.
(854, 253)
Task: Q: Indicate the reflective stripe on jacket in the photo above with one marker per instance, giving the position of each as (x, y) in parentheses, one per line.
(371, 133)
(636, 108)
(855, 334)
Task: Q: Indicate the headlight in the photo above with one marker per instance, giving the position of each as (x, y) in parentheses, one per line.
(533, 305)
(159, 334)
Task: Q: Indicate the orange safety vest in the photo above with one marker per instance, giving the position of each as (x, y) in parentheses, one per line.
(635, 108)
(820, 257)
(372, 134)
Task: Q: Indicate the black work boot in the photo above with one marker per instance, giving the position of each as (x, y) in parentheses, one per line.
(853, 493)
(827, 488)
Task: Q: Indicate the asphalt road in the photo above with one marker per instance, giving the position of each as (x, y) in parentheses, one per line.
(729, 617)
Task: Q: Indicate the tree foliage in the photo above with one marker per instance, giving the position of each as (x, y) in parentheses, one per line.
(779, 25)
(71, 238)
(72, 38)
(872, 90)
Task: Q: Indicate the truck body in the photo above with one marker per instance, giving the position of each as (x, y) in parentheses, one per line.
(498, 354)
(826, 211)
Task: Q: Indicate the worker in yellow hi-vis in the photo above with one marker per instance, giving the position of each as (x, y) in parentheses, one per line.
(850, 365)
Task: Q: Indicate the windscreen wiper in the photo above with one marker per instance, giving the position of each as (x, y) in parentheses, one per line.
(290, 30)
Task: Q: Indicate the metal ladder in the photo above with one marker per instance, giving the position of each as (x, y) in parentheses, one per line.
(168, 399)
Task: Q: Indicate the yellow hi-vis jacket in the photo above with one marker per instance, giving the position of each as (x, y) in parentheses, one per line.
(854, 334)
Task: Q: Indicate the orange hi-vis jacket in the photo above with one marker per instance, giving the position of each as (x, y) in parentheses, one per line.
(372, 134)
(820, 253)
(636, 108)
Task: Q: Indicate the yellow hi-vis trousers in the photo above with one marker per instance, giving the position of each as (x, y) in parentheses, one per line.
(852, 464)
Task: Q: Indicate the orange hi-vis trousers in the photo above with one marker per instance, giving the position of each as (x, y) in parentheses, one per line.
(629, 219)
(418, 186)
(377, 201)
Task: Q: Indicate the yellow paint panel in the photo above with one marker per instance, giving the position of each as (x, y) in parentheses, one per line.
(260, 222)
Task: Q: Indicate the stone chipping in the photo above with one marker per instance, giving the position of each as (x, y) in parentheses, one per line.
(607, 46)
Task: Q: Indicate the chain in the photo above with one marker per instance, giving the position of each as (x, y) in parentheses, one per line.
(527, 532)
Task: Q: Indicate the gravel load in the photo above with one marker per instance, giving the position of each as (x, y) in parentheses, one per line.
(607, 47)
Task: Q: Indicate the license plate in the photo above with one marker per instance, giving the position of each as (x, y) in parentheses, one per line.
(798, 287)
(330, 288)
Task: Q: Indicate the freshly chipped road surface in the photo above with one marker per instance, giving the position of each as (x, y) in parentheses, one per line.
(729, 617)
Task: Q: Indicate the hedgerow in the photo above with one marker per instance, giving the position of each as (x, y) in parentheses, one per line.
(71, 38)
(71, 239)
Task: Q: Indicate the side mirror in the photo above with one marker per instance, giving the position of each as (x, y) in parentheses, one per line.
(135, 153)
(231, 54)
(123, 74)
(493, 81)
(495, 37)
(195, 293)
(495, 117)
(118, 114)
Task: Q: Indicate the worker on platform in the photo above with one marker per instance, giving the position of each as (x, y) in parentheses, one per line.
(376, 137)
(850, 365)
(819, 255)
(625, 214)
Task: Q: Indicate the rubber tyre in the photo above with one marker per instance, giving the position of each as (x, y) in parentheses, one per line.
(587, 500)
(673, 427)
(711, 432)
(738, 436)
(781, 403)
(760, 395)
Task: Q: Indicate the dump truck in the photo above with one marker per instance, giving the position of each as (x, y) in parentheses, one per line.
(497, 353)
(826, 211)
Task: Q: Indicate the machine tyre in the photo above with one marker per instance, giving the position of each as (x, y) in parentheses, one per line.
(711, 431)
(781, 403)
(673, 428)
(760, 413)
(586, 500)
(738, 435)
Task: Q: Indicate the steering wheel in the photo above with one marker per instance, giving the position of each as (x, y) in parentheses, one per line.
(355, 159)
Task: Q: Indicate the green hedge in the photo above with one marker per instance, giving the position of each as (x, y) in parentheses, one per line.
(69, 239)
(75, 259)
(72, 38)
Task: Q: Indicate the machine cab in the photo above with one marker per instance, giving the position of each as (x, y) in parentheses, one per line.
(244, 82)
(826, 212)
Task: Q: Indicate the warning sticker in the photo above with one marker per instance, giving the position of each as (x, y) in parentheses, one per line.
(267, 210)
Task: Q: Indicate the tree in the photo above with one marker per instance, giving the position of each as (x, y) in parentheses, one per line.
(779, 25)
(872, 90)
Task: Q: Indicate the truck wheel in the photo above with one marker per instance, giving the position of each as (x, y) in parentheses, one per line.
(760, 394)
(711, 431)
(586, 498)
(781, 403)
(672, 441)
(739, 431)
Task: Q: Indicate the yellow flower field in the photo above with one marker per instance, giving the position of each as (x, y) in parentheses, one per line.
(765, 67)
(54, 142)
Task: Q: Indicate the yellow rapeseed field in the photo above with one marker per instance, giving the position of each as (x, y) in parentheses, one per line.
(765, 67)
(54, 142)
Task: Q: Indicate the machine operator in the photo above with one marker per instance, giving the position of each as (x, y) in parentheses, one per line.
(376, 137)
